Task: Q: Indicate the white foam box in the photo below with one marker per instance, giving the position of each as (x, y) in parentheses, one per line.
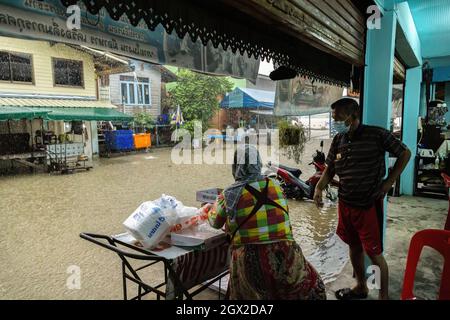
(202, 239)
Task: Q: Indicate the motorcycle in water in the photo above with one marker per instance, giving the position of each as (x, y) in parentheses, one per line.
(294, 187)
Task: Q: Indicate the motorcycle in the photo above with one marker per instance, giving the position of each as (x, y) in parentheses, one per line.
(296, 188)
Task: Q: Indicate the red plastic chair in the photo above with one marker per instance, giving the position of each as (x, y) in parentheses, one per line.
(447, 183)
(438, 240)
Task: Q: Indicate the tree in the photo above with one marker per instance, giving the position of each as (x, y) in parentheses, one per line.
(196, 94)
(143, 120)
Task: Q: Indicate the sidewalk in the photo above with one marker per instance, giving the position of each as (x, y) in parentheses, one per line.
(406, 216)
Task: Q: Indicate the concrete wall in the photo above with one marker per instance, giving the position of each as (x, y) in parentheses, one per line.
(42, 53)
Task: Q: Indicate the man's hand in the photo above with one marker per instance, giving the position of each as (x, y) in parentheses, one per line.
(396, 171)
(386, 186)
(318, 198)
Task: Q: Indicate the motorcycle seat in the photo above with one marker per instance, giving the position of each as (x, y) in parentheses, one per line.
(294, 171)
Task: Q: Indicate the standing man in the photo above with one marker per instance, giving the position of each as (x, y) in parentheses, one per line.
(357, 156)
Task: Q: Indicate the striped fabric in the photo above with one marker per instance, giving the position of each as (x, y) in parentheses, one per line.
(268, 225)
(198, 266)
(359, 161)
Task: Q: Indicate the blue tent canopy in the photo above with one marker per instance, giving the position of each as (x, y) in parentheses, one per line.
(241, 98)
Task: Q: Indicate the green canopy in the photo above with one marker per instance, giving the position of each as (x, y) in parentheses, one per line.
(87, 114)
(64, 114)
(17, 113)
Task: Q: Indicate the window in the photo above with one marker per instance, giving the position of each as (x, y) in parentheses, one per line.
(16, 67)
(135, 92)
(68, 72)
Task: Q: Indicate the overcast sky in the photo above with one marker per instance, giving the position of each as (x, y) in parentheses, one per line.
(265, 67)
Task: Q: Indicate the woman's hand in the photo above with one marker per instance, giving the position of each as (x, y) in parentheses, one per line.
(205, 209)
(207, 206)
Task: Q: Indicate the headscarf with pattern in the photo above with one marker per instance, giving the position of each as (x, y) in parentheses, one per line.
(246, 169)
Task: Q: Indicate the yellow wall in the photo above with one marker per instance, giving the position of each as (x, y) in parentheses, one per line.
(42, 54)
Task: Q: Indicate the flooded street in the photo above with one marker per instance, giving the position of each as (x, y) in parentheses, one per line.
(42, 216)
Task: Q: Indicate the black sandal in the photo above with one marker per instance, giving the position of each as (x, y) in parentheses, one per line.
(349, 294)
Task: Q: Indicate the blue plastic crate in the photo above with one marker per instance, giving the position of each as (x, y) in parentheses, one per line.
(119, 140)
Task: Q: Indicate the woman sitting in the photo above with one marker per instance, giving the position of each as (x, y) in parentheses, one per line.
(266, 262)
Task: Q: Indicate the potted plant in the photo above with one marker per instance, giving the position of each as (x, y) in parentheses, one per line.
(292, 140)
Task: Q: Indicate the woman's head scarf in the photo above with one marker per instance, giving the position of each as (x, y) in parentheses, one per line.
(246, 169)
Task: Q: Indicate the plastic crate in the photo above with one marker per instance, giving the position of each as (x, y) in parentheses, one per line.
(119, 140)
(142, 140)
(208, 196)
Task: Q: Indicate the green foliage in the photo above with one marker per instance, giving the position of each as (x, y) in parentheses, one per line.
(143, 120)
(292, 140)
(190, 126)
(197, 95)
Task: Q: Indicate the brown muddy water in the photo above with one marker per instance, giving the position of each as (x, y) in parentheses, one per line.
(42, 216)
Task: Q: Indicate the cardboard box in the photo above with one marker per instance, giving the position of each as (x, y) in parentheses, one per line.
(209, 195)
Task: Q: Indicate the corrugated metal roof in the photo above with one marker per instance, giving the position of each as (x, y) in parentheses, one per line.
(60, 109)
(55, 103)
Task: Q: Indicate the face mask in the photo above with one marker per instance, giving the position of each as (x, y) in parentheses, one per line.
(341, 127)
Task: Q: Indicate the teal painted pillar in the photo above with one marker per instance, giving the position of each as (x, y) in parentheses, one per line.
(447, 100)
(410, 125)
(379, 75)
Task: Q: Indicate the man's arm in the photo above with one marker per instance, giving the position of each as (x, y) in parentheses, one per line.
(327, 174)
(394, 146)
(397, 170)
(320, 186)
(217, 216)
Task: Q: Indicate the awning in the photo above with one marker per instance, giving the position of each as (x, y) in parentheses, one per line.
(310, 112)
(17, 113)
(241, 98)
(262, 112)
(87, 114)
(318, 39)
(60, 109)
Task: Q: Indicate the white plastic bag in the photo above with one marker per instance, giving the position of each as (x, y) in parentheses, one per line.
(170, 207)
(149, 223)
(188, 217)
(152, 221)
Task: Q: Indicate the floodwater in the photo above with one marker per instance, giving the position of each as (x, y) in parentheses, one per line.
(42, 216)
(315, 231)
